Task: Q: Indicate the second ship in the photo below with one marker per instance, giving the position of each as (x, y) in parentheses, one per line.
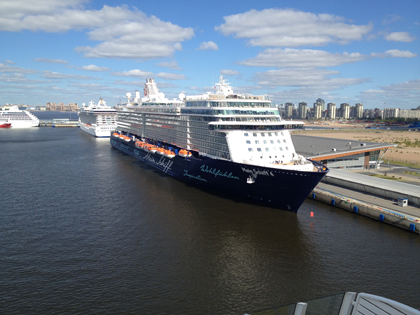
(233, 143)
(98, 120)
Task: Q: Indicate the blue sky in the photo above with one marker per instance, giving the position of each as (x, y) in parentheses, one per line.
(295, 51)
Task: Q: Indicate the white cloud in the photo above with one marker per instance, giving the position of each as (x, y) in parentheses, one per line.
(9, 62)
(10, 69)
(56, 75)
(90, 86)
(123, 32)
(136, 73)
(305, 77)
(287, 58)
(208, 46)
(278, 27)
(403, 94)
(18, 78)
(391, 19)
(408, 86)
(399, 37)
(400, 53)
(171, 65)
(394, 53)
(229, 72)
(94, 68)
(46, 60)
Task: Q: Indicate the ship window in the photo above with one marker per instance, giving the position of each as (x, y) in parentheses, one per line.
(254, 134)
(265, 141)
(267, 149)
(278, 141)
(246, 134)
(248, 142)
(250, 149)
(262, 134)
(281, 149)
(276, 134)
(282, 133)
(274, 149)
(269, 134)
(271, 141)
(259, 149)
(287, 148)
(257, 142)
(284, 140)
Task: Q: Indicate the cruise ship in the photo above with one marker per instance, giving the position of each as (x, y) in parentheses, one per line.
(98, 120)
(16, 118)
(236, 144)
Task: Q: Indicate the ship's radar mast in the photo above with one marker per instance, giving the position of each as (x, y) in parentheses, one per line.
(223, 88)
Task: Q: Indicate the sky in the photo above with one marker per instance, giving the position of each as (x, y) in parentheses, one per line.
(294, 51)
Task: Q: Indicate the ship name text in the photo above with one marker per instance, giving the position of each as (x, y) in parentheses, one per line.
(257, 172)
(165, 164)
(193, 176)
(216, 172)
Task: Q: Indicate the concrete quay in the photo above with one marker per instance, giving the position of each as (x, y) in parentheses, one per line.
(369, 205)
(69, 124)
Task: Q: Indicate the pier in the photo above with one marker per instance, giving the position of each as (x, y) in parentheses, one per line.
(379, 208)
(59, 123)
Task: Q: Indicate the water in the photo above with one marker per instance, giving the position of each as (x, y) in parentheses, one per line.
(50, 115)
(85, 229)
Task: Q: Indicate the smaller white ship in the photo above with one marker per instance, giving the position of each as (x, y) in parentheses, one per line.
(98, 120)
(16, 118)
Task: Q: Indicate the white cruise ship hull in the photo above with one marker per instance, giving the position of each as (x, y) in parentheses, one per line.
(23, 124)
(98, 131)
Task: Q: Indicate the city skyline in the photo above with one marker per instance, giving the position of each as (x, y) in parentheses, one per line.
(77, 51)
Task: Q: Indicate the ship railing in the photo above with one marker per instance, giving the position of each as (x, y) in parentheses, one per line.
(348, 303)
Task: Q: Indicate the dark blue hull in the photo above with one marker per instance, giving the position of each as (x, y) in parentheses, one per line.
(283, 189)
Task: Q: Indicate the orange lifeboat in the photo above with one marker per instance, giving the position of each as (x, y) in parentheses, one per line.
(139, 144)
(150, 147)
(115, 134)
(161, 150)
(170, 154)
(125, 138)
(184, 153)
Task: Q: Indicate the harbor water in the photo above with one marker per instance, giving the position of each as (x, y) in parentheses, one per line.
(86, 229)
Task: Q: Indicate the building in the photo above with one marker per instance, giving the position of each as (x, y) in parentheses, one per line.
(341, 154)
(302, 110)
(406, 113)
(71, 107)
(317, 111)
(359, 111)
(391, 112)
(322, 103)
(345, 110)
(331, 110)
(289, 110)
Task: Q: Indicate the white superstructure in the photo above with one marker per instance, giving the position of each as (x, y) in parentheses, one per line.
(98, 120)
(18, 118)
(225, 125)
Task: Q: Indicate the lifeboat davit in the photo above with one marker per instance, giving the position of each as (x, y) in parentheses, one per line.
(184, 153)
(170, 154)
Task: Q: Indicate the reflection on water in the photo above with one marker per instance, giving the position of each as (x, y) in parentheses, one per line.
(85, 228)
